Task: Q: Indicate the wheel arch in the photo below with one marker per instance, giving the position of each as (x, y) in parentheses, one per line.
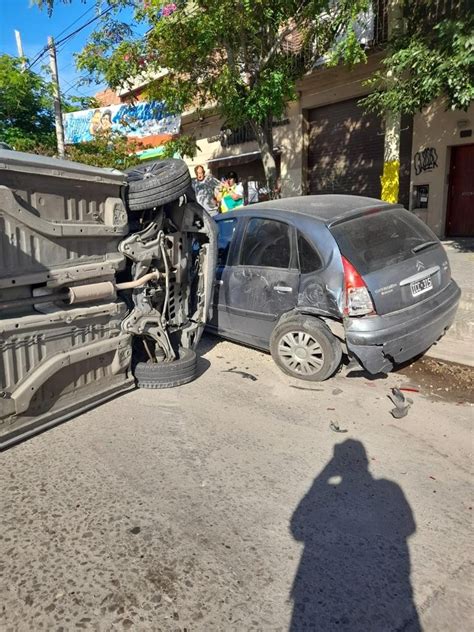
(336, 326)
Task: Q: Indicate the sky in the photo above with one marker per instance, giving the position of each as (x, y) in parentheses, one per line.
(35, 26)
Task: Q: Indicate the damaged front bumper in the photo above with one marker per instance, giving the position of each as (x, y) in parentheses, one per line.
(381, 342)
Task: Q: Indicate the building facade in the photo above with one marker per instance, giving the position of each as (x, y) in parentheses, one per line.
(326, 143)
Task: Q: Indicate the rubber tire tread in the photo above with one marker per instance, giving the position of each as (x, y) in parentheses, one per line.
(169, 183)
(321, 332)
(161, 375)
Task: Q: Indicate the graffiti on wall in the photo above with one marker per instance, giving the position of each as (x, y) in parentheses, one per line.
(138, 121)
(425, 160)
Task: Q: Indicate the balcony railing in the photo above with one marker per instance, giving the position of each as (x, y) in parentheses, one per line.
(244, 134)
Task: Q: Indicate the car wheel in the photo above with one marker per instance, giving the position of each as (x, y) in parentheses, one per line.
(304, 347)
(167, 374)
(156, 183)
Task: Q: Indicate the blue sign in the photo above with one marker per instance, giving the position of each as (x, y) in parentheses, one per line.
(138, 121)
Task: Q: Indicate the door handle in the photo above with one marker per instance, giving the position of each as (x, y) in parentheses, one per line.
(282, 288)
(219, 282)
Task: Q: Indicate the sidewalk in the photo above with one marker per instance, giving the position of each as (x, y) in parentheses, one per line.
(458, 344)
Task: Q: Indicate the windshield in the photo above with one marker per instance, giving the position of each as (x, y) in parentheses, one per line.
(381, 239)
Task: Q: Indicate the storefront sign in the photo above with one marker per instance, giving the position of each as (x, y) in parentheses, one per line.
(140, 121)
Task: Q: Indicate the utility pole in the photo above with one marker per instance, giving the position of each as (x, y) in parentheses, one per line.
(57, 97)
(19, 47)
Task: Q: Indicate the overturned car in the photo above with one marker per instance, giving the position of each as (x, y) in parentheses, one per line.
(105, 284)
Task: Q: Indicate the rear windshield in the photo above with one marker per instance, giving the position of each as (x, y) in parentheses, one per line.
(381, 239)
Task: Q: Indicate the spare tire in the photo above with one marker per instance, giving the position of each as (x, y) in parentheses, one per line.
(167, 374)
(156, 183)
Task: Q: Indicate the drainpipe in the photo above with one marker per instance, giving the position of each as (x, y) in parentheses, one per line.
(390, 179)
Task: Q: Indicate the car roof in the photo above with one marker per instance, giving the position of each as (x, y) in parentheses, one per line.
(328, 209)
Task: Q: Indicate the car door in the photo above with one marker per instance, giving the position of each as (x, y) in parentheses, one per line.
(262, 283)
(219, 318)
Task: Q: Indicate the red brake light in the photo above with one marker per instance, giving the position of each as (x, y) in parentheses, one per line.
(351, 277)
(357, 300)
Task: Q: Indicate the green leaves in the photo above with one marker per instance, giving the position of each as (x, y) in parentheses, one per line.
(428, 62)
(26, 106)
(237, 58)
(108, 149)
(184, 146)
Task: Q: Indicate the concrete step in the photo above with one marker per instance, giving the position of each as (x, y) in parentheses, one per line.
(467, 299)
(457, 345)
(463, 326)
(452, 349)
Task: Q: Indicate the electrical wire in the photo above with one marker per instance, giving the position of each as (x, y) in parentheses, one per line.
(91, 8)
(73, 86)
(65, 39)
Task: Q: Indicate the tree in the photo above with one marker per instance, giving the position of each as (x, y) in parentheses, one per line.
(26, 107)
(107, 149)
(240, 57)
(27, 120)
(430, 56)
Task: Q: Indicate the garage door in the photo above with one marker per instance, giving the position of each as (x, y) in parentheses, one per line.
(345, 150)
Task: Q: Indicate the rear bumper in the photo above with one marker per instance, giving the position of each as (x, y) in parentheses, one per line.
(380, 342)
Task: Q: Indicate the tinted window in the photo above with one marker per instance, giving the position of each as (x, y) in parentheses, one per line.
(266, 244)
(309, 258)
(226, 230)
(381, 239)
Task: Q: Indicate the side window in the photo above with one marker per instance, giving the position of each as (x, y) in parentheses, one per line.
(266, 244)
(226, 230)
(309, 258)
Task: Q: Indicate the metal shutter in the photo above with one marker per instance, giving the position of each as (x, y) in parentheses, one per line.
(345, 153)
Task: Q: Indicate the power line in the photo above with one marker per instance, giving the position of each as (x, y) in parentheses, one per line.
(74, 86)
(68, 37)
(91, 8)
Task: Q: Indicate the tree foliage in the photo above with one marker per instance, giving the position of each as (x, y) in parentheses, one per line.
(27, 120)
(240, 57)
(26, 107)
(430, 57)
(108, 149)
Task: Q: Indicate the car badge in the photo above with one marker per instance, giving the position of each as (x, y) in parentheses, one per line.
(420, 265)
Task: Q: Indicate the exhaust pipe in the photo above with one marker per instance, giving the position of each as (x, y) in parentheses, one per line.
(106, 290)
(77, 294)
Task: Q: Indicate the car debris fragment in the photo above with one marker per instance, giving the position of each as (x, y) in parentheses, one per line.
(402, 403)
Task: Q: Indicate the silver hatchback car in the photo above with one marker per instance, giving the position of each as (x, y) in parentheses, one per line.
(310, 277)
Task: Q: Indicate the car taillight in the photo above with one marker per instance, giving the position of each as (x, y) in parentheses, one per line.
(357, 301)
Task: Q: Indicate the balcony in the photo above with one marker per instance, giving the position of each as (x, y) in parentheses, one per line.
(244, 134)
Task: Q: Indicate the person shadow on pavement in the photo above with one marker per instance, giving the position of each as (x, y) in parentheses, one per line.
(354, 572)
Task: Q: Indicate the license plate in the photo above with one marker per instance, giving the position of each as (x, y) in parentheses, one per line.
(422, 286)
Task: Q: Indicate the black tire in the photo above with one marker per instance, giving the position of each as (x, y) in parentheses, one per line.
(167, 374)
(305, 348)
(156, 183)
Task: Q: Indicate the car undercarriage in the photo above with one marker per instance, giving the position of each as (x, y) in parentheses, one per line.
(92, 292)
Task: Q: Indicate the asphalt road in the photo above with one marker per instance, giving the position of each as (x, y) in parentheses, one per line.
(230, 504)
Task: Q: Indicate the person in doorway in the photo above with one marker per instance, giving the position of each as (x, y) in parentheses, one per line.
(204, 187)
(231, 193)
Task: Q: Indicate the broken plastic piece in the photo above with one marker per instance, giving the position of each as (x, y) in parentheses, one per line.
(402, 403)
